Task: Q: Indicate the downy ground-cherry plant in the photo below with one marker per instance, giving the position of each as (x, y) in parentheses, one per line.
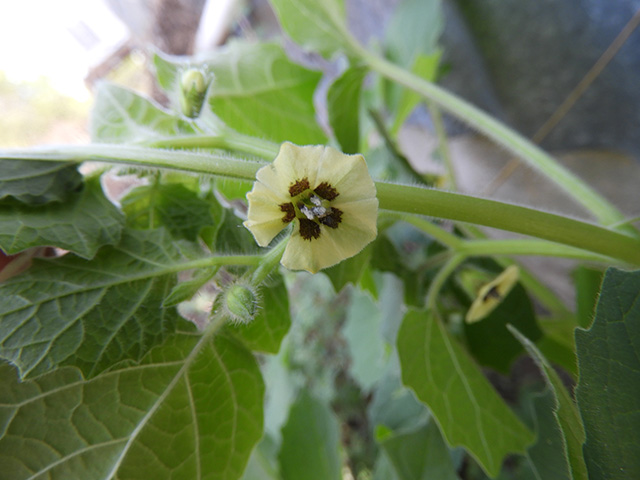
(276, 299)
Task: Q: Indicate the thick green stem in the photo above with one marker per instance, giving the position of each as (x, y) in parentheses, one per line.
(514, 218)
(603, 210)
(398, 198)
(234, 142)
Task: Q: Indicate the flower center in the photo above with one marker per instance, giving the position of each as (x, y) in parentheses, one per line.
(312, 208)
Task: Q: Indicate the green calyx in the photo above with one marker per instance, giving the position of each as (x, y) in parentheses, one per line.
(241, 303)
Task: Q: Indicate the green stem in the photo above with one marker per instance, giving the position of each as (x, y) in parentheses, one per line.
(400, 198)
(476, 248)
(440, 278)
(603, 210)
(443, 143)
(231, 141)
(514, 218)
(269, 262)
(211, 163)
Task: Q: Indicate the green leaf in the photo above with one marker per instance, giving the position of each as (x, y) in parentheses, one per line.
(191, 409)
(421, 454)
(546, 457)
(608, 392)
(565, 410)
(263, 464)
(414, 30)
(362, 332)
(412, 42)
(350, 270)
(468, 410)
(425, 66)
(172, 205)
(70, 311)
(489, 340)
(37, 182)
(258, 91)
(310, 442)
(343, 104)
(316, 26)
(82, 224)
(394, 406)
(587, 281)
(122, 116)
(266, 331)
(185, 290)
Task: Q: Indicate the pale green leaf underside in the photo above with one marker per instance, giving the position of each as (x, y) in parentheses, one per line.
(69, 311)
(258, 91)
(317, 26)
(608, 392)
(82, 224)
(120, 115)
(565, 410)
(192, 409)
(37, 182)
(310, 439)
(468, 410)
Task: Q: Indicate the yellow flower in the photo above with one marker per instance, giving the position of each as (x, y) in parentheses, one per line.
(329, 198)
(492, 294)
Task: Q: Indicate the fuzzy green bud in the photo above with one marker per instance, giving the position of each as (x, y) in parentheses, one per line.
(193, 89)
(241, 302)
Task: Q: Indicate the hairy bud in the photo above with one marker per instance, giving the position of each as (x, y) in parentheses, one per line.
(241, 302)
(193, 89)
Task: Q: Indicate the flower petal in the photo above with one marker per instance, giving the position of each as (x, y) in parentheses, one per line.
(264, 215)
(348, 174)
(333, 245)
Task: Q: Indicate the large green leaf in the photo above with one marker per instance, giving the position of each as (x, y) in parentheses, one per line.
(608, 392)
(70, 311)
(546, 458)
(468, 410)
(258, 91)
(317, 26)
(191, 409)
(565, 410)
(175, 206)
(425, 66)
(343, 104)
(310, 442)
(120, 115)
(266, 331)
(82, 224)
(36, 182)
(362, 331)
(414, 30)
(420, 454)
(411, 41)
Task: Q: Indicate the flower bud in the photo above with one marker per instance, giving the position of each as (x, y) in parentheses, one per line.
(193, 89)
(241, 303)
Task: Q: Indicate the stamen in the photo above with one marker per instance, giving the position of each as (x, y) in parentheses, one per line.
(298, 187)
(326, 191)
(309, 230)
(289, 212)
(333, 219)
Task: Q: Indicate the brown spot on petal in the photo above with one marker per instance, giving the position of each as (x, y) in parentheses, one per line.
(309, 230)
(333, 219)
(326, 191)
(289, 212)
(298, 187)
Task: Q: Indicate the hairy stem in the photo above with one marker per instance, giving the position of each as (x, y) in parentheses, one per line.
(399, 198)
(602, 209)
